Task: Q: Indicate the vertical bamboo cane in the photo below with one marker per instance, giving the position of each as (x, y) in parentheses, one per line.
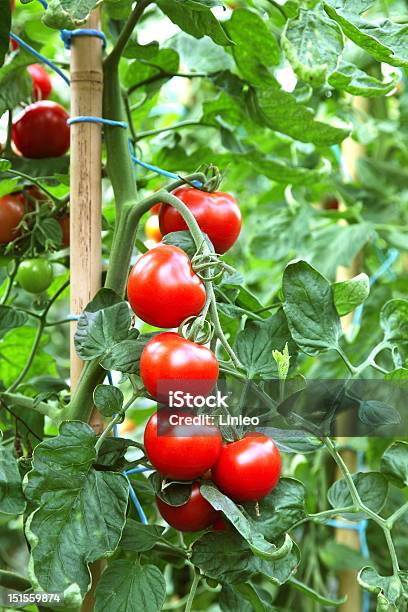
(85, 201)
(351, 151)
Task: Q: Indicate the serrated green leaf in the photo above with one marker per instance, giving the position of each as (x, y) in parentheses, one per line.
(354, 81)
(313, 44)
(74, 504)
(129, 586)
(394, 463)
(68, 14)
(394, 320)
(12, 500)
(108, 399)
(309, 307)
(16, 85)
(371, 486)
(200, 55)
(138, 537)
(350, 293)
(10, 318)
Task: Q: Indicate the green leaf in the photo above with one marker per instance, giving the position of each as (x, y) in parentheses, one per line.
(313, 45)
(394, 320)
(282, 361)
(371, 486)
(10, 318)
(339, 557)
(131, 587)
(49, 231)
(354, 81)
(5, 23)
(108, 399)
(384, 40)
(197, 23)
(338, 245)
(103, 299)
(309, 307)
(254, 345)
(5, 165)
(165, 61)
(230, 600)
(387, 588)
(394, 464)
(16, 86)
(68, 14)
(256, 540)
(279, 234)
(351, 293)
(255, 49)
(378, 414)
(11, 494)
(125, 356)
(279, 510)
(284, 171)
(227, 557)
(200, 55)
(140, 538)
(279, 110)
(15, 349)
(185, 242)
(76, 504)
(98, 332)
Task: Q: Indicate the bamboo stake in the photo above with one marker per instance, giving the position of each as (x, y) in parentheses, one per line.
(86, 151)
(348, 585)
(85, 204)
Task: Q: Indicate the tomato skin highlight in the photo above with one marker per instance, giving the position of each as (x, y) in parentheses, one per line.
(41, 130)
(196, 514)
(248, 469)
(35, 275)
(181, 452)
(12, 209)
(163, 289)
(172, 363)
(152, 228)
(217, 214)
(41, 81)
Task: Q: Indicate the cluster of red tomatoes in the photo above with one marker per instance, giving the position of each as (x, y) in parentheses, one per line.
(163, 291)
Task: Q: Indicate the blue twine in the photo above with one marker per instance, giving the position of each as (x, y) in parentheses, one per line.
(86, 119)
(136, 502)
(392, 256)
(40, 57)
(68, 35)
(43, 3)
(139, 470)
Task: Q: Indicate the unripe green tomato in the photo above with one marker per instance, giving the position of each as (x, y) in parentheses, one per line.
(35, 275)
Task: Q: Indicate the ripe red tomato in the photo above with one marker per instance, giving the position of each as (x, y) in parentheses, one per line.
(194, 515)
(41, 130)
(162, 288)
(64, 223)
(217, 214)
(152, 228)
(41, 81)
(180, 452)
(155, 209)
(248, 469)
(12, 209)
(220, 524)
(170, 363)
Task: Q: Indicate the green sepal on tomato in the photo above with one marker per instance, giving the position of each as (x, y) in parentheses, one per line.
(196, 514)
(35, 275)
(163, 289)
(217, 214)
(180, 451)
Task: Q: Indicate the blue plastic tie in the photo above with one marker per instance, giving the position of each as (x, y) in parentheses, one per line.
(136, 502)
(86, 119)
(138, 470)
(43, 3)
(40, 57)
(68, 35)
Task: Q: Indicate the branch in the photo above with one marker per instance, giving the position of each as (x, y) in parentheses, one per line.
(15, 582)
(114, 56)
(29, 404)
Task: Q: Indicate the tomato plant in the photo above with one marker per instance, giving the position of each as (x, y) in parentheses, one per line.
(222, 351)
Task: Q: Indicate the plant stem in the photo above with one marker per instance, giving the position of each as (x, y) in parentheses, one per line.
(193, 590)
(397, 514)
(13, 581)
(175, 126)
(115, 55)
(393, 554)
(29, 404)
(117, 418)
(37, 183)
(163, 74)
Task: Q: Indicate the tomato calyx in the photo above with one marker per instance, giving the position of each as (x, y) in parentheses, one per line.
(197, 329)
(213, 180)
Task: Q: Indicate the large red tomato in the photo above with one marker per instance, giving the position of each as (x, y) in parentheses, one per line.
(12, 209)
(194, 515)
(217, 214)
(180, 452)
(170, 363)
(162, 288)
(248, 469)
(41, 130)
(41, 81)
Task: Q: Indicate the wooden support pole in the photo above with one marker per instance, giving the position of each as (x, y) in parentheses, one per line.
(85, 187)
(348, 585)
(85, 202)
